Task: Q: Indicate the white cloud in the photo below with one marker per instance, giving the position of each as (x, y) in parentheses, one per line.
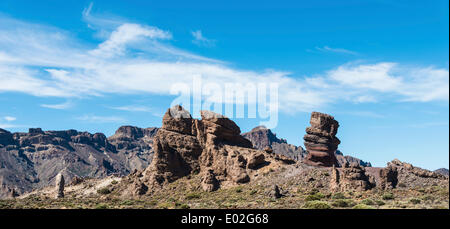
(9, 118)
(139, 108)
(6, 126)
(127, 34)
(336, 50)
(200, 40)
(133, 59)
(60, 106)
(133, 108)
(101, 119)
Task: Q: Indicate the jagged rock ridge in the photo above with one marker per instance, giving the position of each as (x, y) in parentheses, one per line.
(32, 160)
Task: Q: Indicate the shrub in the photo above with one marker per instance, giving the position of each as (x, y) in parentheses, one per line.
(104, 191)
(414, 201)
(342, 203)
(114, 182)
(362, 206)
(193, 195)
(339, 195)
(101, 206)
(239, 189)
(427, 197)
(388, 196)
(253, 192)
(184, 206)
(379, 202)
(317, 204)
(368, 202)
(317, 196)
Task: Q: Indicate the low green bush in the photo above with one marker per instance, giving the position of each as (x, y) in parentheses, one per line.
(317, 204)
(362, 206)
(388, 196)
(368, 202)
(104, 191)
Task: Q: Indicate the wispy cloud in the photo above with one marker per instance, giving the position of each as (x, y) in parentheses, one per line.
(102, 119)
(135, 59)
(368, 114)
(9, 118)
(7, 125)
(336, 50)
(200, 40)
(428, 124)
(139, 108)
(60, 106)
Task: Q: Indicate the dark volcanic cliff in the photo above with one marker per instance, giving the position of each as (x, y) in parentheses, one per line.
(32, 160)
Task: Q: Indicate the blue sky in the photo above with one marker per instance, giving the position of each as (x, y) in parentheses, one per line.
(380, 67)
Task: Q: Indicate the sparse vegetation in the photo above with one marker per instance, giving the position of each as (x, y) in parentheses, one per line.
(388, 196)
(339, 195)
(316, 196)
(104, 191)
(317, 204)
(362, 206)
(343, 203)
(368, 202)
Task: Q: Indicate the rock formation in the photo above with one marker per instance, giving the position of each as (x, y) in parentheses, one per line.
(59, 185)
(211, 147)
(321, 141)
(351, 177)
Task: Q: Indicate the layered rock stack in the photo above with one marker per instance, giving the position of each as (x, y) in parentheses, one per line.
(321, 141)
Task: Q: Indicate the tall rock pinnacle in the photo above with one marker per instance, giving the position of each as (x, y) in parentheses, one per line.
(321, 141)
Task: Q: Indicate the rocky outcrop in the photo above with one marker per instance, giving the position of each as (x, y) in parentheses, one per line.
(351, 177)
(321, 141)
(388, 177)
(399, 174)
(212, 147)
(406, 167)
(32, 160)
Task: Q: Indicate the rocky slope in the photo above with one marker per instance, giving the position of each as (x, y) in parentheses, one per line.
(442, 171)
(32, 160)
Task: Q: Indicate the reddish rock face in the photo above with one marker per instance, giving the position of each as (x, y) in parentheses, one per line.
(321, 141)
(212, 147)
